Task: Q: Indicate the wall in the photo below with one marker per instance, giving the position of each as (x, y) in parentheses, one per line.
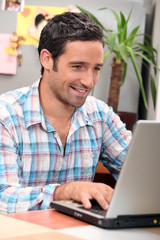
(30, 70)
(155, 114)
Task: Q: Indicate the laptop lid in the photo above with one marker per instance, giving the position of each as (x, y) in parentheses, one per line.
(135, 202)
(138, 187)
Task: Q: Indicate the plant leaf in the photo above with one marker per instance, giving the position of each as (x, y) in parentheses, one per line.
(150, 53)
(93, 17)
(117, 19)
(123, 20)
(105, 56)
(124, 27)
(124, 73)
(112, 40)
(123, 33)
(129, 16)
(123, 52)
(146, 59)
(132, 36)
(138, 76)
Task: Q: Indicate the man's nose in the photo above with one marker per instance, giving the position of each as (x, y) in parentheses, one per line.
(88, 80)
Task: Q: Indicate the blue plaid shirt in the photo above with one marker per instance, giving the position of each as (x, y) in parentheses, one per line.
(32, 158)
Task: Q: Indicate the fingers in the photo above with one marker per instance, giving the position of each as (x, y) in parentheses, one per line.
(86, 203)
(100, 200)
(84, 192)
(102, 193)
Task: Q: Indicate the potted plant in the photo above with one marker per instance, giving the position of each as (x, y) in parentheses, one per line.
(122, 47)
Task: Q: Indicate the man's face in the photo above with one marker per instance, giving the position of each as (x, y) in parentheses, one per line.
(77, 72)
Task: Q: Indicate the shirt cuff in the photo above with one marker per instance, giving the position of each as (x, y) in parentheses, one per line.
(48, 195)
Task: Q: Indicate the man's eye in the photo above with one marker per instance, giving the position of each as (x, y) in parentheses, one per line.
(76, 66)
(97, 68)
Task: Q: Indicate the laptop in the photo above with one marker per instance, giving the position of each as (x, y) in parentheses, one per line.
(136, 198)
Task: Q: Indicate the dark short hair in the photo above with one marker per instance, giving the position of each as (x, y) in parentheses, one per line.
(67, 27)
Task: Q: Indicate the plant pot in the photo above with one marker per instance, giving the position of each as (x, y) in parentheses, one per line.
(129, 118)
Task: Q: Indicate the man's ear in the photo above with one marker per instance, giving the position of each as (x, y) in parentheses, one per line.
(46, 59)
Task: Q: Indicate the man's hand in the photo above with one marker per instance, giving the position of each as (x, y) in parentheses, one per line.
(84, 192)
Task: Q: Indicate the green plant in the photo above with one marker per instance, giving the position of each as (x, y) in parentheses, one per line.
(124, 47)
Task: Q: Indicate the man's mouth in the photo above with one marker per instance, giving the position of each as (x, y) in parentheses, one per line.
(80, 90)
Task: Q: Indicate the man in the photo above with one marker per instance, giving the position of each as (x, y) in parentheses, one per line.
(51, 134)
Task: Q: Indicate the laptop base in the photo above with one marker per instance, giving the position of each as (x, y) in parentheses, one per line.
(133, 221)
(127, 221)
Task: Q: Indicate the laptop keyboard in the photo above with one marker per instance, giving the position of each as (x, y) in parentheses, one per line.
(96, 208)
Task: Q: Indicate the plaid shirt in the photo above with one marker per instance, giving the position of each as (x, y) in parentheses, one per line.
(32, 158)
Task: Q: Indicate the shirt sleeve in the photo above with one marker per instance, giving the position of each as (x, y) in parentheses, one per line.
(116, 140)
(13, 196)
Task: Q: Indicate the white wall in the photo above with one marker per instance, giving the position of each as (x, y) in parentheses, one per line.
(155, 114)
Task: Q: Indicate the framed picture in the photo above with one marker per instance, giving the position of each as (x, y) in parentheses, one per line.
(13, 5)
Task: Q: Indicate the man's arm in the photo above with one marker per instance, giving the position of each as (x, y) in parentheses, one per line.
(14, 195)
(116, 140)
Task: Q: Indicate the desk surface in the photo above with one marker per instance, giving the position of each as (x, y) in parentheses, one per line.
(49, 224)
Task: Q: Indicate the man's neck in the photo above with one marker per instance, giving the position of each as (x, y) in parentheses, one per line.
(56, 112)
(52, 107)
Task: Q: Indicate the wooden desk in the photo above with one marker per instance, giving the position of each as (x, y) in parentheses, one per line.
(37, 225)
(49, 225)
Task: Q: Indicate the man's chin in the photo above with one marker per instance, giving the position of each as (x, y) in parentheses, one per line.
(78, 104)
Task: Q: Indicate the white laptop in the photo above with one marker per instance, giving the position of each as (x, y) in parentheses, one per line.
(136, 199)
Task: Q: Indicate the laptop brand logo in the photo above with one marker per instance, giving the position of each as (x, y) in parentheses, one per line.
(77, 214)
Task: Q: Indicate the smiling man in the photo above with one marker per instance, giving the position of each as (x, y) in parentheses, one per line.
(53, 134)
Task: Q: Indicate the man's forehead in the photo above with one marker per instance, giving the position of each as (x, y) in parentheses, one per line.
(75, 47)
(81, 42)
(83, 52)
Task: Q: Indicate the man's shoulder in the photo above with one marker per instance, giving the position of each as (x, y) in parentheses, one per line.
(13, 96)
(11, 104)
(93, 104)
(15, 105)
(96, 109)
(17, 96)
(13, 101)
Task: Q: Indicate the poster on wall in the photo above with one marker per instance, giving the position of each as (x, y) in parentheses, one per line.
(32, 19)
(39, 20)
(8, 63)
(41, 16)
(13, 5)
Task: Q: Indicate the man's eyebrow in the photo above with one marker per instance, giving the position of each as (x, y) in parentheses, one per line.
(85, 63)
(99, 64)
(78, 62)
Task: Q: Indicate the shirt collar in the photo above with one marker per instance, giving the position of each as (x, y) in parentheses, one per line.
(33, 113)
(80, 117)
(32, 109)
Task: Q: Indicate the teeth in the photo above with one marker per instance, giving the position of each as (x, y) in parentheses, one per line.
(82, 91)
